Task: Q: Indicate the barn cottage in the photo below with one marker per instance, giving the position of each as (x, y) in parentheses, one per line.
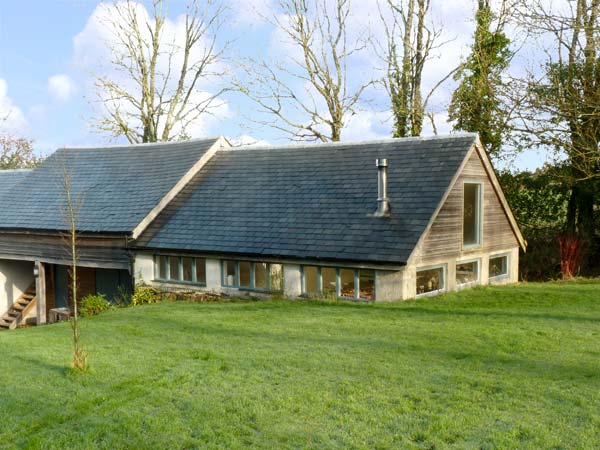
(381, 220)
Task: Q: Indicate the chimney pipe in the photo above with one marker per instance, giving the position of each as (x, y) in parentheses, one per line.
(383, 203)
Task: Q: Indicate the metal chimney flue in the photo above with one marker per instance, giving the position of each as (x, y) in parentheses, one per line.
(383, 202)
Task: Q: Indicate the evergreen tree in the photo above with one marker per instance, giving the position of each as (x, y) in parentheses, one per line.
(476, 105)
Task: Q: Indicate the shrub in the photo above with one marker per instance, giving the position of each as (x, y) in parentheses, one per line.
(144, 296)
(93, 304)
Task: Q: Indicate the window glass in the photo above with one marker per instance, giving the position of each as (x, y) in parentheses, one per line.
(276, 274)
(471, 214)
(188, 266)
(173, 268)
(244, 273)
(347, 283)
(311, 280)
(161, 261)
(498, 266)
(200, 270)
(229, 275)
(260, 275)
(467, 272)
(367, 284)
(328, 275)
(430, 280)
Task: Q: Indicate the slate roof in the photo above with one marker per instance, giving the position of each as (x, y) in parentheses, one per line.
(312, 202)
(115, 186)
(10, 178)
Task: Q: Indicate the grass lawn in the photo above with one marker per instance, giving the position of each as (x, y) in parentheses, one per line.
(505, 367)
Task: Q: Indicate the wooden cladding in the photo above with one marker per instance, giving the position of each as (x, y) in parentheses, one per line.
(445, 237)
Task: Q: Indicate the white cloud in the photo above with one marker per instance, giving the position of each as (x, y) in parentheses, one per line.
(245, 141)
(61, 87)
(366, 125)
(251, 12)
(12, 119)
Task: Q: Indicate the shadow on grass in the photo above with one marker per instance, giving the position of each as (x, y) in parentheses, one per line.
(45, 365)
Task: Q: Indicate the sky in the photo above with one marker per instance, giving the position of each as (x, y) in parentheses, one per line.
(50, 48)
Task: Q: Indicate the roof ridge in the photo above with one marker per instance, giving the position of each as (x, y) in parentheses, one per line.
(143, 144)
(353, 143)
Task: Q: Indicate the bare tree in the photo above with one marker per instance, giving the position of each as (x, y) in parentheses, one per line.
(410, 40)
(308, 97)
(154, 94)
(559, 101)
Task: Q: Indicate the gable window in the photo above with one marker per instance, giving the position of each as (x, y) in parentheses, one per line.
(334, 282)
(258, 276)
(467, 273)
(472, 214)
(498, 267)
(180, 269)
(431, 280)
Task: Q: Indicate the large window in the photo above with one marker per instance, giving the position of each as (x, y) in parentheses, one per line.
(472, 214)
(334, 282)
(498, 267)
(430, 280)
(180, 269)
(467, 273)
(259, 276)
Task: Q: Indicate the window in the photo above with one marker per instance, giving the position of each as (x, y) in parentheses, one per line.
(329, 282)
(430, 280)
(275, 277)
(244, 274)
(324, 281)
(188, 269)
(162, 268)
(366, 282)
(311, 280)
(498, 267)
(201, 270)
(258, 276)
(180, 269)
(347, 283)
(229, 278)
(472, 214)
(173, 268)
(467, 272)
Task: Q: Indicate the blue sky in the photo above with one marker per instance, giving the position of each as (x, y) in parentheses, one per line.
(48, 47)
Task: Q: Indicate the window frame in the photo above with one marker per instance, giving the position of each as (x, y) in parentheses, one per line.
(320, 293)
(444, 287)
(252, 287)
(503, 276)
(180, 279)
(479, 218)
(470, 283)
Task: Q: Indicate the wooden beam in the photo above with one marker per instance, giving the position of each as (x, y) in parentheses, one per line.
(40, 292)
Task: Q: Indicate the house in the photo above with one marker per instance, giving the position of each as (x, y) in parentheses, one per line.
(381, 220)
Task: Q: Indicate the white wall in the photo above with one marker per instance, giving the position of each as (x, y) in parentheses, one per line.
(15, 278)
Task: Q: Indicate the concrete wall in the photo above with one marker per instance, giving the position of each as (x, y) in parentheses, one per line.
(15, 278)
(408, 290)
(389, 285)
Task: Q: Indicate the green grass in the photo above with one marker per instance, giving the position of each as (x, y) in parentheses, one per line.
(506, 367)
